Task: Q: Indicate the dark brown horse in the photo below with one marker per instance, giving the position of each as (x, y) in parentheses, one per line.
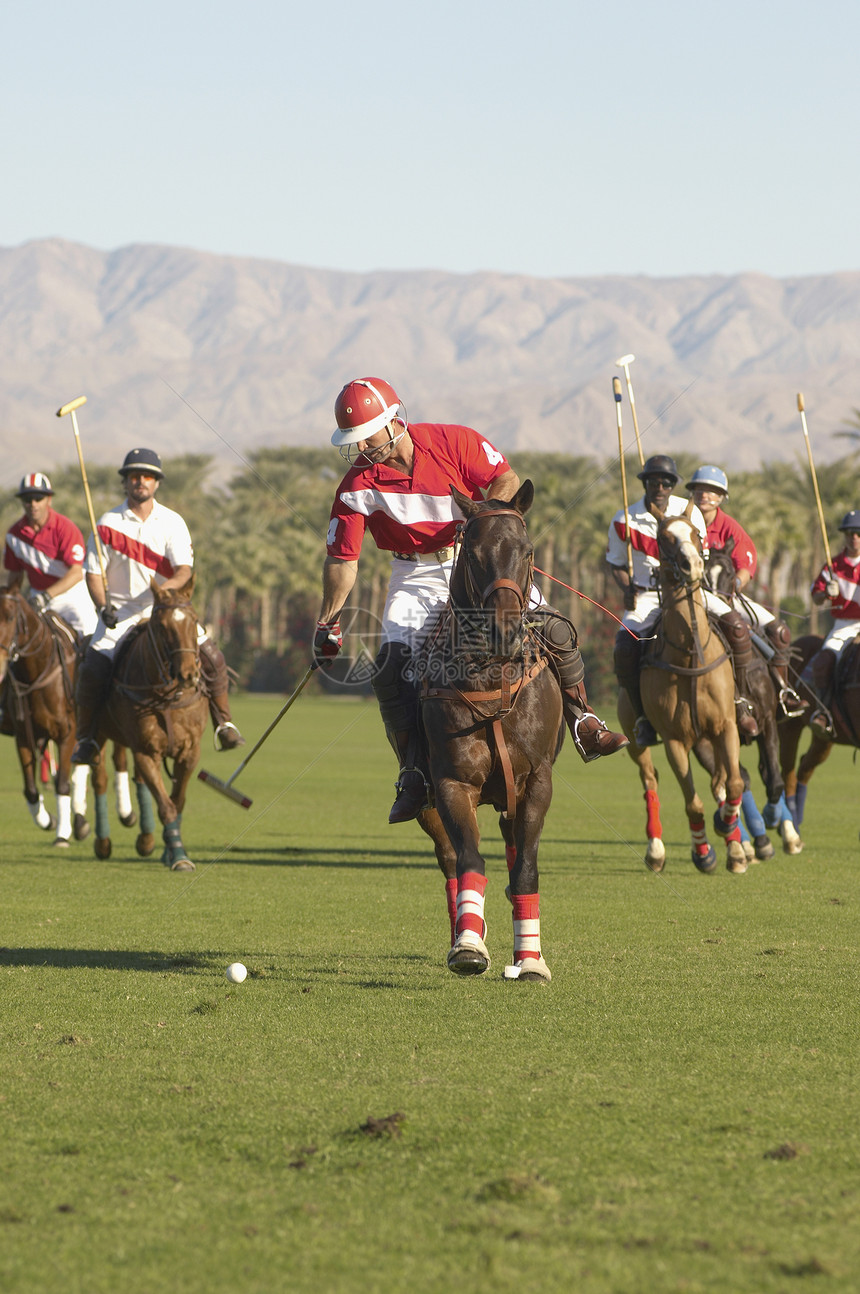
(38, 661)
(492, 714)
(156, 708)
(845, 709)
(688, 693)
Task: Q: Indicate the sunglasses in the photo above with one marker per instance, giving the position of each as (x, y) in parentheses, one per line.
(34, 498)
(661, 482)
(852, 533)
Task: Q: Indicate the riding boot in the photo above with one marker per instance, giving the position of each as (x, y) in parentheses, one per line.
(213, 667)
(628, 653)
(590, 734)
(398, 705)
(5, 719)
(819, 672)
(737, 633)
(791, 704)
(90, 693)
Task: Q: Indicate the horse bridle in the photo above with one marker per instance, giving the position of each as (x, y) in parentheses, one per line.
(680, 576)
(15, 651)
(481, 596)
(166, 655)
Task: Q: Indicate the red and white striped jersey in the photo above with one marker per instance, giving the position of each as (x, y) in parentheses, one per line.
(44, 555)
(413, 514)
(135, 551)
(643, 534)
(846, 572)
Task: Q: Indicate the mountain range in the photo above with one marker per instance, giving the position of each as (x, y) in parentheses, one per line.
(190, 352)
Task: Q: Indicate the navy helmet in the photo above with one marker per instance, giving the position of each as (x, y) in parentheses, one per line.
(851, 521)
(142, 460)
(659, 465)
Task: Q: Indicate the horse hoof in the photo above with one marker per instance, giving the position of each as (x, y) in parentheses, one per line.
(763, 848)
(791, 842)
(80, 827)
(145, 844)
(130, 820)
(529, 970)
(102, 847)
(182, 865)
(655, 855)
(749, 850)
(60, 843)
(469, 955)
(736, 859)
(50, 825)
(706, 862)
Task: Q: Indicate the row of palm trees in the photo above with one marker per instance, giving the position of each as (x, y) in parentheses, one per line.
(260, 540)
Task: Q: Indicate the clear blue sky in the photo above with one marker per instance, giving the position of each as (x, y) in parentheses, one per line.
(538, 137)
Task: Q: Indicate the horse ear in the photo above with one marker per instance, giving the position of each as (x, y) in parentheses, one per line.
(729, 545)
(524, 497)
(188, 586)
(688, 511)
(468, 507)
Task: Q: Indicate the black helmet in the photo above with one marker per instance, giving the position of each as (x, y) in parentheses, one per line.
(142, 460)
(851, 521)
(659, 465)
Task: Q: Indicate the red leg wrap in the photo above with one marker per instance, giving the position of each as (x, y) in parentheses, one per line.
(653, 825)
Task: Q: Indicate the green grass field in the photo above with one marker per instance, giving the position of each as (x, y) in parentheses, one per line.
(677, 1111)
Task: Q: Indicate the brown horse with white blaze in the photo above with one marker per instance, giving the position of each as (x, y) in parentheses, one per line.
(492, 715)
(156, 707)
(687, 689)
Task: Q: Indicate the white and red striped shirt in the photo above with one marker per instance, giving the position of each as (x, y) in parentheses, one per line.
(846, 572)
(413, 514)
(45, 555)
(643, 536)
(135, 551)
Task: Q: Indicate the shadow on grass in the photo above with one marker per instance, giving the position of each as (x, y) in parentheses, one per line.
(110, 959)
(299, 856)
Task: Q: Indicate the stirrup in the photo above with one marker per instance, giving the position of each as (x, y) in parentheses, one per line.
(412, 796)
(791, 703)
(644, 733)
(227, 736)
(821, 723)
(616, 740)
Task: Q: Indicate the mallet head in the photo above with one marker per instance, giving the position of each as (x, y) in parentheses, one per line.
(625, 360)
(71, 406)
(225, 788)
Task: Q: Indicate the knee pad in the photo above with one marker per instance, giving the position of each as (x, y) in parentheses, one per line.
(213, 666)
(779, 635)
(737, 633)
(558, 637)
(396, 694)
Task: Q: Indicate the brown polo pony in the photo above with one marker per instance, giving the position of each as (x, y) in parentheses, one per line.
(155, 707)
(38, 664)
(492, 712)
(688, 693)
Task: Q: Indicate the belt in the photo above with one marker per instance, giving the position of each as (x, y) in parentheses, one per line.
(441, 555)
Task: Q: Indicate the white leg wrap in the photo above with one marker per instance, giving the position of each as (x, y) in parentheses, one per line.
(123, 795)
(64, 817)
(40, 814)
(80, 773)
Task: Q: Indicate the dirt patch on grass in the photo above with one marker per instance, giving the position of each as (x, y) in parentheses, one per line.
(388, 1126)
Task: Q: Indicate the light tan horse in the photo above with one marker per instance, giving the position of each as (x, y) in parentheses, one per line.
(688, 692)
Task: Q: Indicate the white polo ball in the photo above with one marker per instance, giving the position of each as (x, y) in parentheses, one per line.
(236, 972)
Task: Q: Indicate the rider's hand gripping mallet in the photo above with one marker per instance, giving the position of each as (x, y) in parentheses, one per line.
(624, 362)
(61, 413)
(802, 411)
(227, 788)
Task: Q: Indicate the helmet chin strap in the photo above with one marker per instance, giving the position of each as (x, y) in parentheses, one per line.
(376, 455)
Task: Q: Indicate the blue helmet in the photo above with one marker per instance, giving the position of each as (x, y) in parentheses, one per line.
(851, 521)
(714, 476)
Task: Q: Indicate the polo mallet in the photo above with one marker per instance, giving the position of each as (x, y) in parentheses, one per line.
(227, 788)
(61, 413)
(624, 362)
(821, 522)
(616, 391)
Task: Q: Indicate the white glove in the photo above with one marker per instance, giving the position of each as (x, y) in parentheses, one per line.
(40, 599)
(831, 588)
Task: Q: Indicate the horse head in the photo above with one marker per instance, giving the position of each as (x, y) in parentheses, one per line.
(174, 624)
(680, 547)
(494, 570)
